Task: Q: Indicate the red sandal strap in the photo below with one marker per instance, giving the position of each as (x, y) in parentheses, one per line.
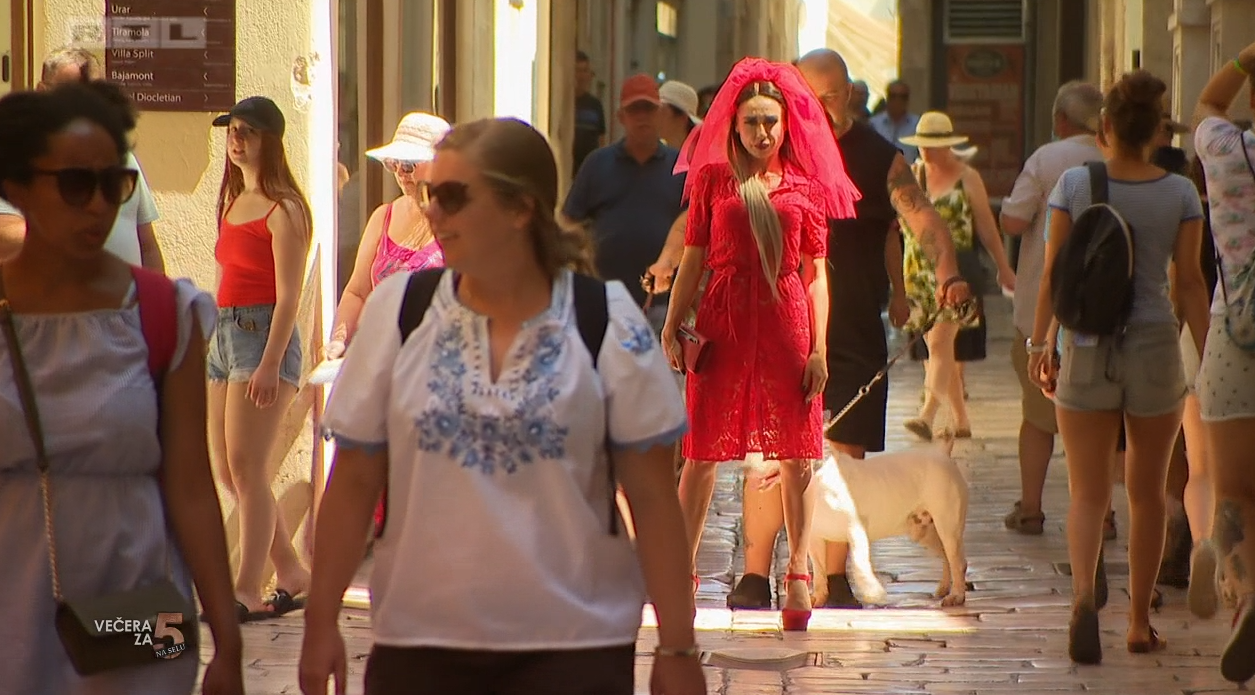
(797, 577)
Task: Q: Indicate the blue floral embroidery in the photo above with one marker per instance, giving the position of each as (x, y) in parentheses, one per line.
(488, 442)
(640, 339)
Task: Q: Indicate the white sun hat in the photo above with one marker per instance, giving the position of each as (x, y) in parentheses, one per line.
(681, 96)
(934, 130)
(415, 139)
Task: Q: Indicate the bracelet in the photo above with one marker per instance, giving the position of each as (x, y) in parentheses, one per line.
(1238, 64)
(953, 280)
(663, 651)
(1035, 348)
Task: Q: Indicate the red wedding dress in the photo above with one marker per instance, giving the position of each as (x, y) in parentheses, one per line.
(749, 396)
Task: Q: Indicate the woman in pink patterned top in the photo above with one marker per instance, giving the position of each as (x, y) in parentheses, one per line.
(397, 237)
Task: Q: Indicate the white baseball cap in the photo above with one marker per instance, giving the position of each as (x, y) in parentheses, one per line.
(415, 139)
(681, 96)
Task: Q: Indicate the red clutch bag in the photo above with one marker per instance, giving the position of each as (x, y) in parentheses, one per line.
(695, 348)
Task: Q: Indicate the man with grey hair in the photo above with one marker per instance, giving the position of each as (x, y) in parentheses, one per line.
(132, 238)
(1024, 214)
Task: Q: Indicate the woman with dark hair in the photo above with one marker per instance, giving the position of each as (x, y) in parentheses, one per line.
(1138, 379)
(105, 483)
(765, 176)
(489, 417)
(254, 360)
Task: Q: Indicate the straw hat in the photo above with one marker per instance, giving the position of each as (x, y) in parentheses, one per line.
(415, 139)
(934, 130)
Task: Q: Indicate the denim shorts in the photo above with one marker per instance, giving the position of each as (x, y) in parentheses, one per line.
(239, 341)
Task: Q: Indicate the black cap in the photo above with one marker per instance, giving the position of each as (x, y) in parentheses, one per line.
(259, 112)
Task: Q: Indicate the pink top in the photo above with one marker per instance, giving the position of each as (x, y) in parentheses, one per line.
(392, 257)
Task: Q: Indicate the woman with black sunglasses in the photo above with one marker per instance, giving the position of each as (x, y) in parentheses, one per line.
(500, 569)
(254, 363)
(128, 488)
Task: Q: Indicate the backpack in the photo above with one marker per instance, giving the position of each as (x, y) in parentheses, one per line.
(1091, 281)
(158, 320)
(592, 317)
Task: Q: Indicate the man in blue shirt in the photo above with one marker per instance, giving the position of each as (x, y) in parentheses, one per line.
(628, 196)
(896, 121)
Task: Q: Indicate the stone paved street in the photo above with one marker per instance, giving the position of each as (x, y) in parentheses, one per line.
(1011, 635)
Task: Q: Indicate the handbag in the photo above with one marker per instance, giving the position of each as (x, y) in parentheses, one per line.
(694, 346)
(1240, 308)
(111, 631)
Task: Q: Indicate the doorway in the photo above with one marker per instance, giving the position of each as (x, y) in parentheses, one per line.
(7, 72)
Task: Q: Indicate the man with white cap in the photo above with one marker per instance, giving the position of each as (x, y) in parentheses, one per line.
(679, 112)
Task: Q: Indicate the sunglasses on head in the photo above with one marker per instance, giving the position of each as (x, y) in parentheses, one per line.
(451, 195)
(394, 166)
(78, 186)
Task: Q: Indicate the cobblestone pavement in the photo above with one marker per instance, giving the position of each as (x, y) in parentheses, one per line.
(1011, 635)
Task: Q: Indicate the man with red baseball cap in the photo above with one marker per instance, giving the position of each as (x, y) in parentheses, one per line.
(628, 195)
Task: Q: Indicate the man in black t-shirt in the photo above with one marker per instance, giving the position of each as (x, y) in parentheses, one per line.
(590, 115)
(865, 264)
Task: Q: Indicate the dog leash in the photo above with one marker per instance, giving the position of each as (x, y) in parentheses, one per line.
(966, 310)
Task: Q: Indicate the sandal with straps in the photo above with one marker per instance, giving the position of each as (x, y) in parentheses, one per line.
(795, 620)
(1152, 644)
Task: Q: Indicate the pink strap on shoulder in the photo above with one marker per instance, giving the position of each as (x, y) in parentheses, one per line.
(158, 319)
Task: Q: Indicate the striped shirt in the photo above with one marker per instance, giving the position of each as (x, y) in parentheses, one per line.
(1154, 210)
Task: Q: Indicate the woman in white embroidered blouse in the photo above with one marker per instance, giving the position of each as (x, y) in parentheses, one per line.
(488, 424)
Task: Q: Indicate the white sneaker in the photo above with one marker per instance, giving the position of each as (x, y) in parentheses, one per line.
(1203, 597)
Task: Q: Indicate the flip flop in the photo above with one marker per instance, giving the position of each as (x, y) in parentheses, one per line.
(282, 603)
(1154, 644)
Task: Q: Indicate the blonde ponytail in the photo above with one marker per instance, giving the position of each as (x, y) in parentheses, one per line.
(764, 223)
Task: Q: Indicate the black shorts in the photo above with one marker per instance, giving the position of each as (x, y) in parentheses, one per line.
(429, 671)
(864, 425)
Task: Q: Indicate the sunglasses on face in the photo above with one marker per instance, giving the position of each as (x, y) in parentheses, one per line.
(78, 186)
(899, 96)
(394, 166)
(452, 196)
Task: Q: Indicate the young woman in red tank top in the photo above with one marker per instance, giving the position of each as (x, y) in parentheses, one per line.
(254, 359)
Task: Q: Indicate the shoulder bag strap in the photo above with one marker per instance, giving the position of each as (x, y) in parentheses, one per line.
(592, 318)
(21, 378)
(420, 290)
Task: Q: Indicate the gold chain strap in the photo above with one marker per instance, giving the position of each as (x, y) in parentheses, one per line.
(21, 377)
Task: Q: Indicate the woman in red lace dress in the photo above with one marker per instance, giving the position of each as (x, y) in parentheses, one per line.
(764, 178)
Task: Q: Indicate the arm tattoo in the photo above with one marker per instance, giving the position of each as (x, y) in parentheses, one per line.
(917, 210)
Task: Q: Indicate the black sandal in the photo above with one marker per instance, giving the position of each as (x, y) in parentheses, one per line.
(282, 603)
(1153, 644)
(752, 593)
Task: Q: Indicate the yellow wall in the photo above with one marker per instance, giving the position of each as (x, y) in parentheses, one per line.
(182, 155)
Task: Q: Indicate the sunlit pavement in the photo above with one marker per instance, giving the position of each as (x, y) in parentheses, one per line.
(1011, 635)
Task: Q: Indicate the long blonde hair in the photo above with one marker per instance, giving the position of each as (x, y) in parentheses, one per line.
(764, 218)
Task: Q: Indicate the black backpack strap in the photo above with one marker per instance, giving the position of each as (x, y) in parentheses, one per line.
(1097, 182)
(420, 289)
(592, 317)
(592, 312)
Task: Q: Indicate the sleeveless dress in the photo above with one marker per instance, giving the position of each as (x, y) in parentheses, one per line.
(920, 277)
(749, 397)
(391, 258)
(98, 407)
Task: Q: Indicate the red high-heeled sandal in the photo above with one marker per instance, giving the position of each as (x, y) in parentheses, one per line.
(796, 620)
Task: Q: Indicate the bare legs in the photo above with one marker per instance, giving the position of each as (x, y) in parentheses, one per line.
(762, 519)
(1036, 448)
(943, 381)
(1199, 498)
(242, 438)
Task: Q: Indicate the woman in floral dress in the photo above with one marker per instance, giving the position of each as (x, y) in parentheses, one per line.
(959, 195)
(765, 176)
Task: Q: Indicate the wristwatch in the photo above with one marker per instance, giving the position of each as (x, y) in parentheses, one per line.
(1033, 348)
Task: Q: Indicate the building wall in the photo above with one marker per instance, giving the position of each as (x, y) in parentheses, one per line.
(183, 156)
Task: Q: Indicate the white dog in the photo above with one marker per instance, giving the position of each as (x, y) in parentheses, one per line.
(918, 493)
